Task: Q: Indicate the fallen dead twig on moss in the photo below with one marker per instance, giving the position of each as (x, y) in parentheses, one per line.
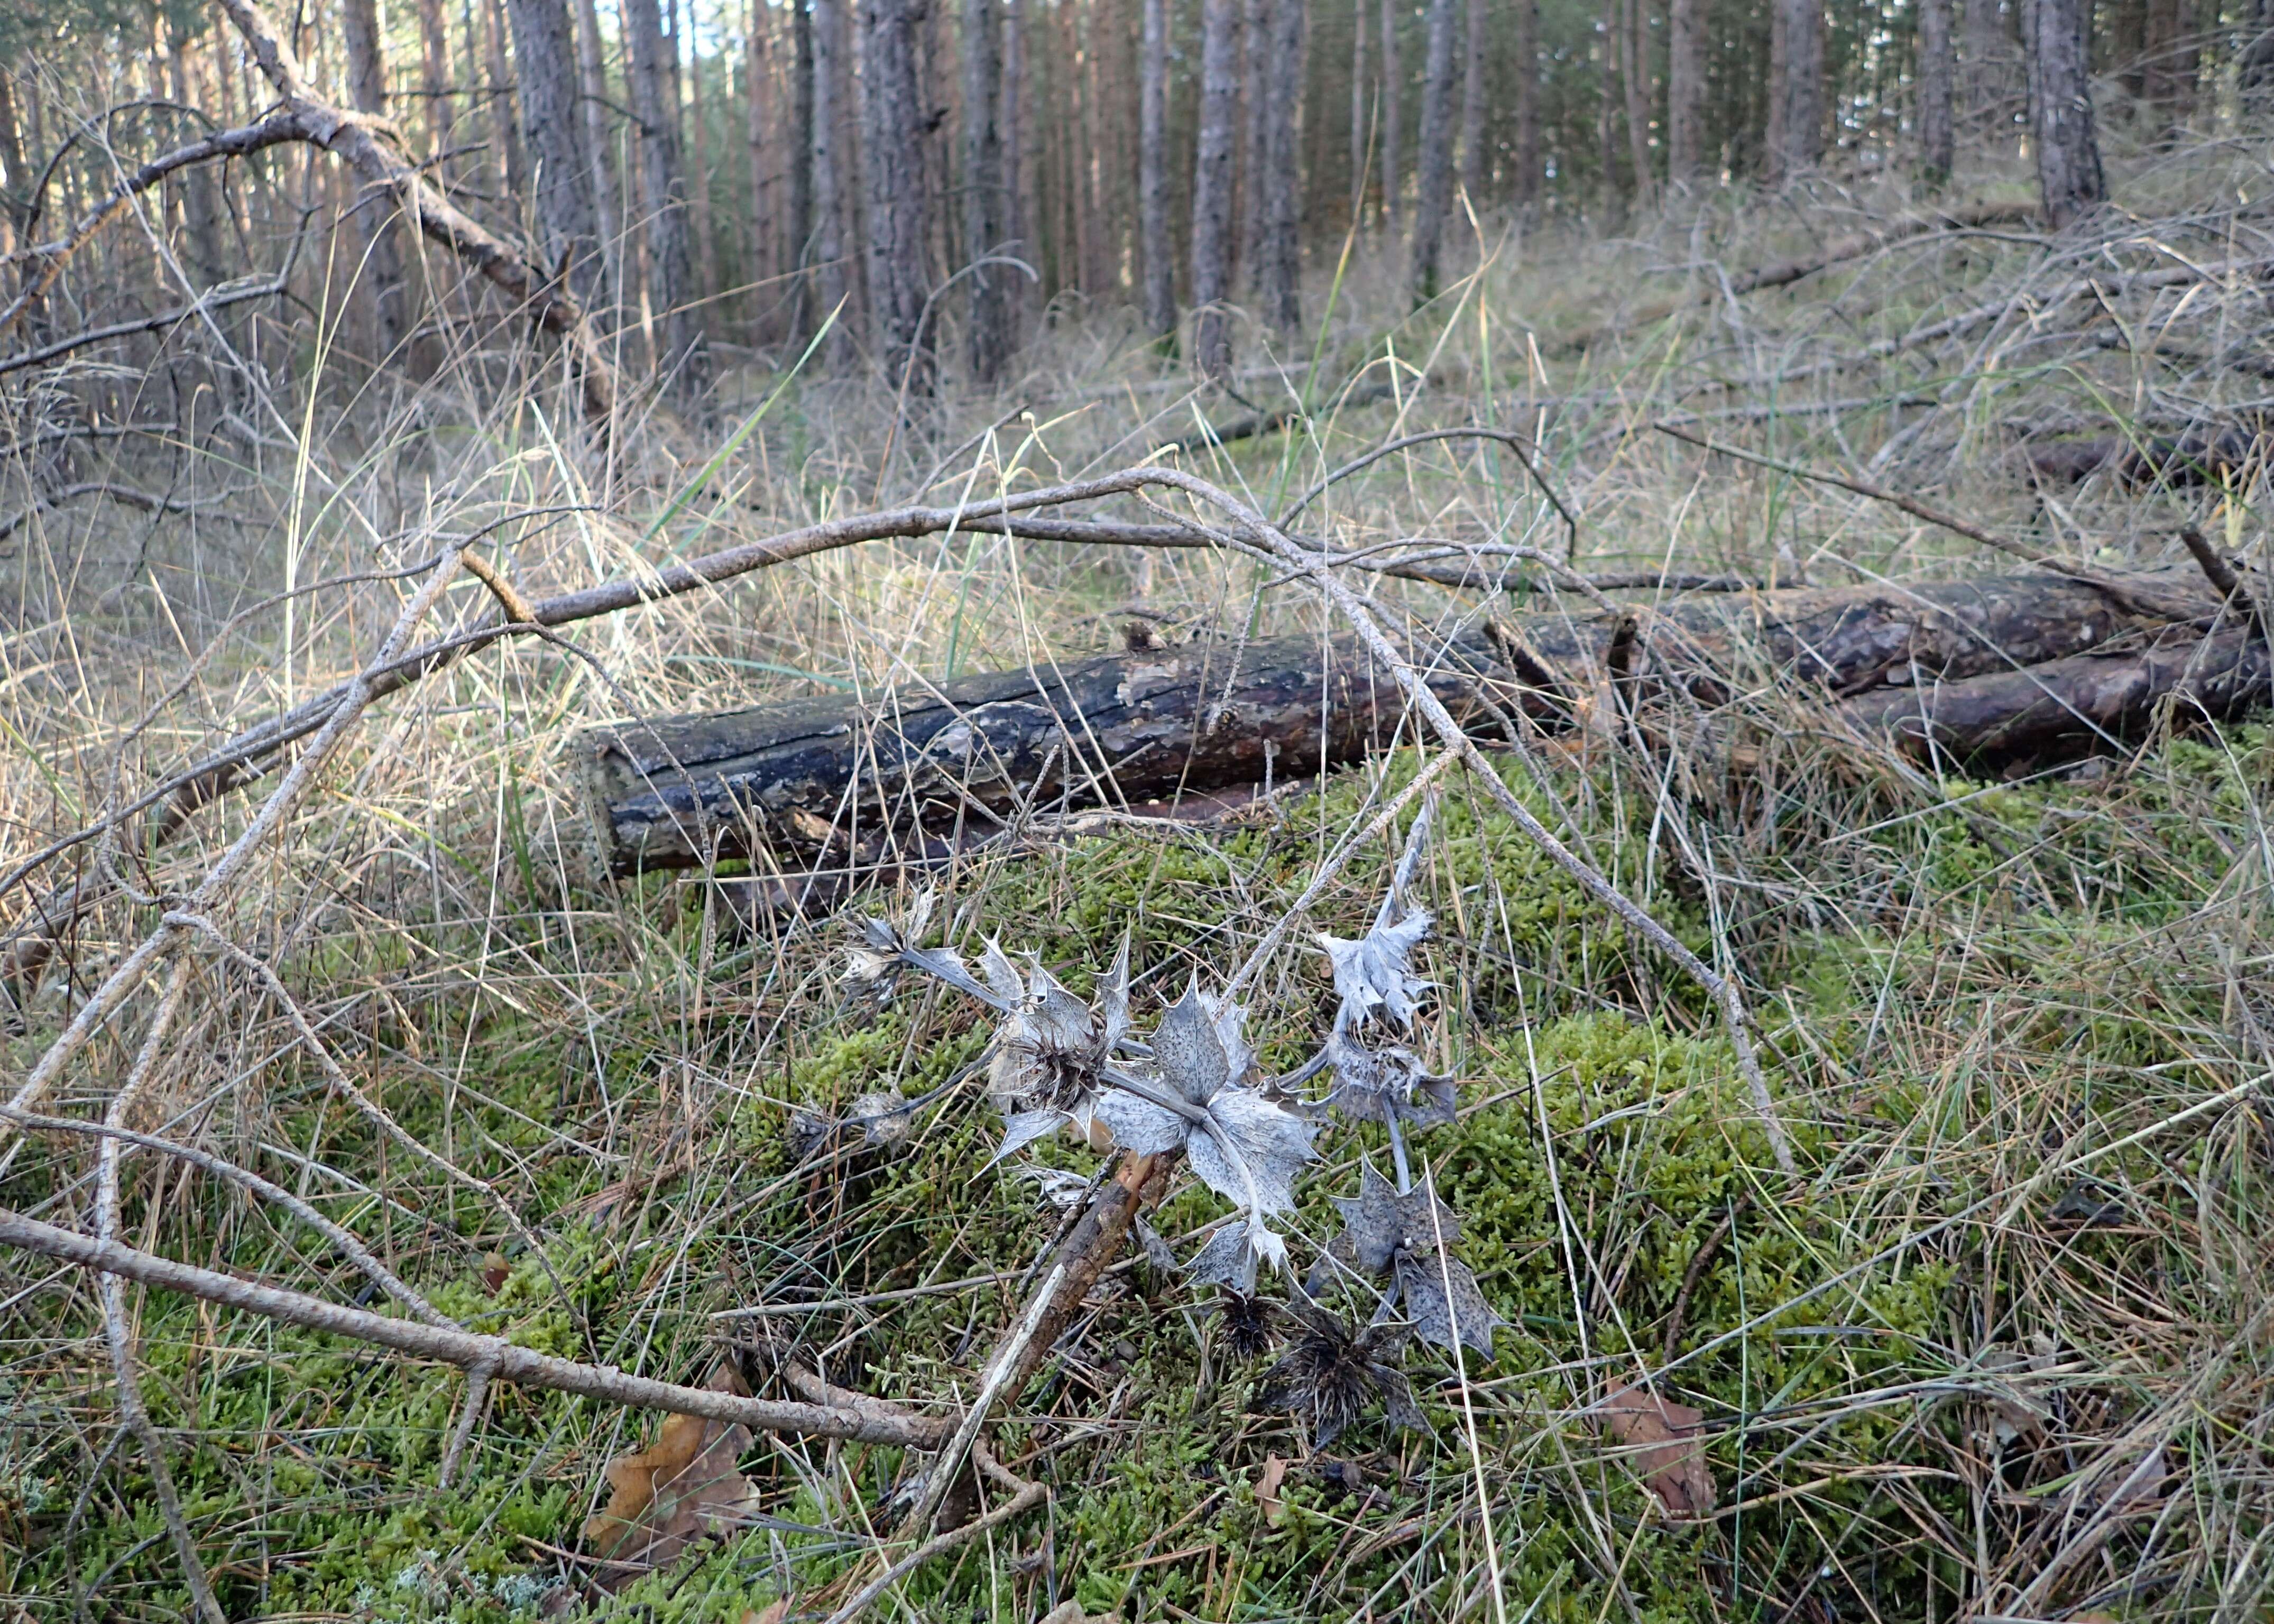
(469, 1351)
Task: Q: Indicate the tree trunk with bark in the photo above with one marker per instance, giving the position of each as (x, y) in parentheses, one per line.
(607, 217)
(1391, 124)
(544, 56)
(982, 188)
(441, 117)
(1997, 673)
(1015, 212)
(1473, 103)
(2054, 43)
(681, 353)
(1936, 74)
(505, 128)
(1212, 178)
(1434, 201)
(1254, 137)
(1360, 148)
(1281, 276)
(1155, 245)
(1987, 59)
(798, 229)
(1795, 89)
(832, 177)
(893, 134)
(381, 271)
(1634, 78)
(757, 95)
(2173, 53)
(1685, 91)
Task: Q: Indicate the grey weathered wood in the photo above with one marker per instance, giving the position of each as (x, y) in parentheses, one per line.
(1212, 219)
(853, 778)
(892, 123)
(2055, 42)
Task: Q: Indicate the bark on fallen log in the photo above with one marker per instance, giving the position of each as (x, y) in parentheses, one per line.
(2178, 460)
(1982, 674)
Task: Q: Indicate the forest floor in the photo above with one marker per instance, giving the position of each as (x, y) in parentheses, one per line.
(2000, 1349)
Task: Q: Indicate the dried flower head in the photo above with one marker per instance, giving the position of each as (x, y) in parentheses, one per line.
(1050, 1052)
(1244, 1325)
(1387, 1083)
(1332, 1375)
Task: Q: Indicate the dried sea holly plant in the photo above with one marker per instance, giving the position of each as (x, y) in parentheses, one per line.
(1192, 1089)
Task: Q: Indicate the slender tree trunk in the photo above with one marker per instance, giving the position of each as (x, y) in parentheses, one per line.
(2126, 39)
(1685, 91)
(1473, 103)
(1283, 176)
(2054, 44)
(2254, 74)
(592, 78)
(832, 171)
(756, 96)
(1936, 69)
(200, 197)
(804, 138)
(1357, 133)
(1392, 125)
(700, 179)
(1017, 212)
(1796, 90)
(1255, 115)
(1212, 185)
(1528, 168)
(544, 56)
(1153, 176)
(505, 129)
(892, 132)
(441, 117)
(982, 187)
(1435, 200)
(1634, 76)
(382, 268)
(14, 204)
(1607, 99)
(671, 276)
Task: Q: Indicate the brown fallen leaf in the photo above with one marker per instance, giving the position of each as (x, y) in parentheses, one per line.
(495, 1272)
(1668, 1450)
(680, 1488)
(775, 1612)
(1267, 1490)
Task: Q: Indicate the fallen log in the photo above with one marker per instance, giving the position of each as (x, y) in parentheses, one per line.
(1982, 672)
(2177, 461)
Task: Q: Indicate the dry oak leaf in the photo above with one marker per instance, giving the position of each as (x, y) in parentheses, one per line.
(680, 1488)
(1666, 1446)
(1267, 1490)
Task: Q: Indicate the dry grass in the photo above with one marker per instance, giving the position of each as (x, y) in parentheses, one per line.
(2004, 1357)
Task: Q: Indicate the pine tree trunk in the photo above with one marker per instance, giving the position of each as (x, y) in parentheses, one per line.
(2053, 46)
(664, 189)
(1938, 131)
(982, 188)
(1685, 91)
(1212, 185)
(382, 269)
(544, 56)
(2255, 75)
(804, 124)
(14, 205)
(1796, 90)
(1359, 151)
(1607, 99)
(1153, 175)
(699, 184)
(2174, 59)
(505, 129)
(1015, 211)
(1393, 85)
(200, 199)
(1473, 103)
(832, 177)
(757, 95)
(441, 118)
(593, 77)
(1283, 176)
(1254, 137)
(893, 134)
(1434, 199)
(1528, 168)
(1634, 77)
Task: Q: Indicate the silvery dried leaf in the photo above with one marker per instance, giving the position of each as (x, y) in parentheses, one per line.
(884, 1120)
(1374, 1084)
(1155, 1250)
(1052, 1048)
(1061, 1187)
(1398, 1236)
(1371, 973)
(1244, 1147)
(1236, 1253)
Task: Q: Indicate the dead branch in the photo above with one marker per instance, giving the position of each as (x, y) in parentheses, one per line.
(468, 1350)
(213, 300)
